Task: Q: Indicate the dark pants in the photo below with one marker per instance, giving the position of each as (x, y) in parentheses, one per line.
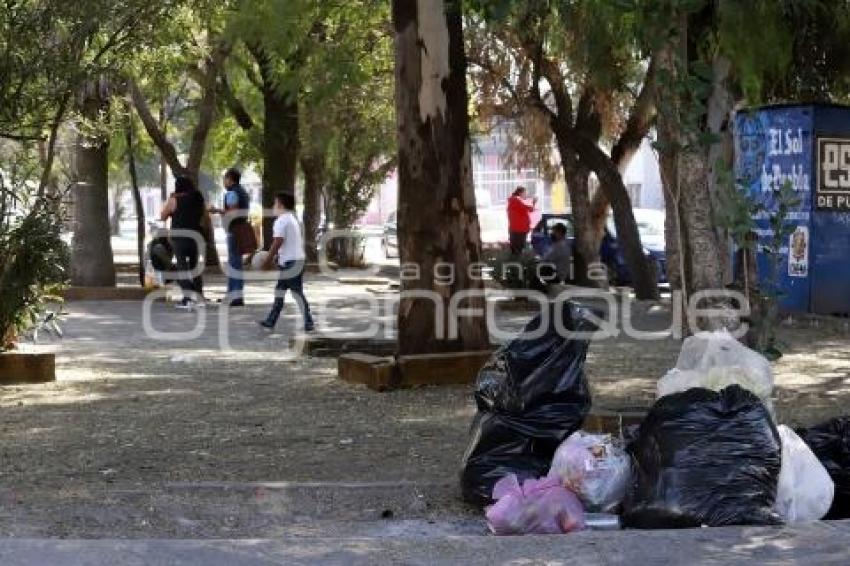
(518, 241)
(236, 282)
(291, 278)
(186, 256)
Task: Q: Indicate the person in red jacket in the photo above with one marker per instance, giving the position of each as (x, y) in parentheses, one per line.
(519, 219)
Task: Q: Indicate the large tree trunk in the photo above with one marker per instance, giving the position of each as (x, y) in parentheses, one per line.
(92, 263)
(280, 138)
(695, 248)
(280, 152)
(314, 181)
(437, 218)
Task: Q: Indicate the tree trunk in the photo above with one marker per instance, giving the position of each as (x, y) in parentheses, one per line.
(628, 238)
(721, 105)
(673, 235)
(437, 218)
(577, 176)
(117, 213)
(280, 152)
(280, 138)
(586, 247)
(695, 248)
(163, 166)
(641, 119)
(92, 263)
(137, 200)
(313, 168)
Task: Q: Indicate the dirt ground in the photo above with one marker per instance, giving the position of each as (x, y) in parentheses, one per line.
(129, 411)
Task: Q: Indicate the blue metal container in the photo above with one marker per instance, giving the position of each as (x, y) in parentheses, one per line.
(773, 146)
(808, 146)
(830, 244)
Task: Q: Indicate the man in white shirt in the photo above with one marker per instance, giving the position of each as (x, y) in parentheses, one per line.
(288, 248)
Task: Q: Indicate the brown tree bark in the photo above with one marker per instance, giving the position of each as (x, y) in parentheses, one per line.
(314, 182)
(437, 217)
(280, 137)
(577, 176)
(92, 263)
(628, 238)
(137, 198)
(696, 251)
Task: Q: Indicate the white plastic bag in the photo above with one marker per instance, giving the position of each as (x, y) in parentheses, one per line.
(594, 467)
(715, 360)
(805, 489)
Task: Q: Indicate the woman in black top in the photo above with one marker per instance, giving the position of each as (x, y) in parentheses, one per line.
(186, 209)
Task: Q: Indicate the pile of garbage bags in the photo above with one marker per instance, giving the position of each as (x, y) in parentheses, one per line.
(705, 458)
(531, 395)
(830, 443)
(708, 452)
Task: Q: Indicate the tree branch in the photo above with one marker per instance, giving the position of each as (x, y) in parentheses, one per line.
(22, 137)
(243, 118)
(51, 144)
(207, 106)
(640, 121)
(169, 153)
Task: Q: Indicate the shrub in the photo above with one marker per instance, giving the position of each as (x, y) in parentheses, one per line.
(33, 265)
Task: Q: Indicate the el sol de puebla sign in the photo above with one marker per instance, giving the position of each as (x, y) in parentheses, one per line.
(833, 188)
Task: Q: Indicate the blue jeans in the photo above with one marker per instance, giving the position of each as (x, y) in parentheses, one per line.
(235, 283)
(291, 277)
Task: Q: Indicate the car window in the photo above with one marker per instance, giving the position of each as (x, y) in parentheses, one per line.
(649, 229)
(553, 221)
(646, 228)
(492, 220)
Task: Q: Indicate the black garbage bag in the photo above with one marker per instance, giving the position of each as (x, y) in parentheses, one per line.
(704, 458)
(830, 441)
(531, 395)
(161, 253)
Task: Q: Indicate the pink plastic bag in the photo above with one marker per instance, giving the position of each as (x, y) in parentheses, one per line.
(540, 506)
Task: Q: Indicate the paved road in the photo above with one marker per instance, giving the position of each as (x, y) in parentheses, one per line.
(816, 544)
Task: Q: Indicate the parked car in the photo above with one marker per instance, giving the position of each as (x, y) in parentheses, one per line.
(650, 226)
(492, 221)
(389, 240)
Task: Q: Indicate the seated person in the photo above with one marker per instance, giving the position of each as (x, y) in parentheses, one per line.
(556, 264)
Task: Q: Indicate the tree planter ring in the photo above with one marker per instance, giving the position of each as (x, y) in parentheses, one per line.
(27, 367)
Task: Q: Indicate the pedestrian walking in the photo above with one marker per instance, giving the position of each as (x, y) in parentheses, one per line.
(287, 253)
(185, 208)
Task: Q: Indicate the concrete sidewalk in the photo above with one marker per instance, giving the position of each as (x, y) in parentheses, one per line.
(817, 543)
